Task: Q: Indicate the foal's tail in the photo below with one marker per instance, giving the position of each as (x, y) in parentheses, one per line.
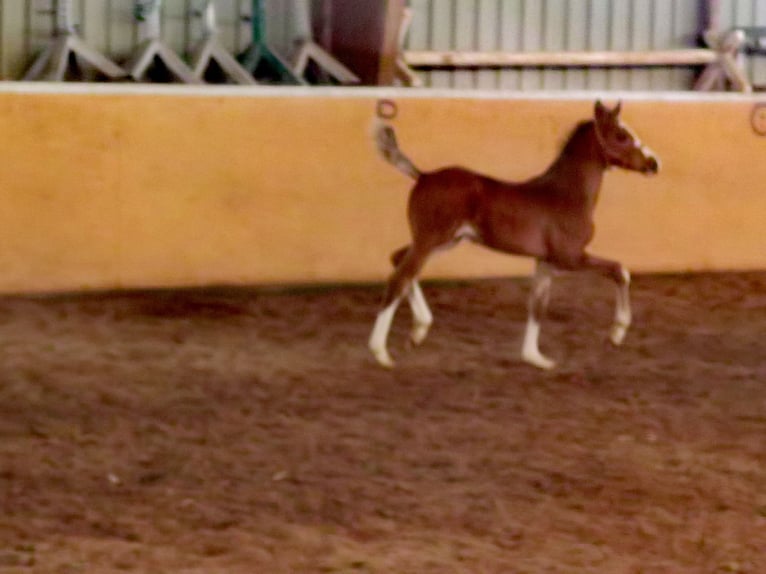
(385, 139)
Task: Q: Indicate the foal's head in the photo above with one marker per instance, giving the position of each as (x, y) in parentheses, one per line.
(619, 143)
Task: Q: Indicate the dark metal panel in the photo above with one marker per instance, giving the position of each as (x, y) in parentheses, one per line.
(686, 28)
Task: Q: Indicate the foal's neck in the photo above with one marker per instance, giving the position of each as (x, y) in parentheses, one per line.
(577, 173)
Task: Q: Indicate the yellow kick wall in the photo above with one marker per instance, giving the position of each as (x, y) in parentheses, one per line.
(125, 188)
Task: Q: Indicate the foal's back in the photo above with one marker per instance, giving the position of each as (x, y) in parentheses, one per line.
(455, 202)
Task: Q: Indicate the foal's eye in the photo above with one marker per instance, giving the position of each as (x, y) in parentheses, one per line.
(622, 137)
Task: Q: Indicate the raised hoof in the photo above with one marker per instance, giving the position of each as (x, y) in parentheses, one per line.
(539, 360)
(617, 335)
(383, 358)
(419, 333)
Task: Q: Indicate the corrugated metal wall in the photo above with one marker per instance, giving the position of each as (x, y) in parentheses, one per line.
(540, 25)
(518, 25)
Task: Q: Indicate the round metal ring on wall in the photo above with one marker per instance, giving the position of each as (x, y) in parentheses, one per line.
(758, 119)
(387, 109)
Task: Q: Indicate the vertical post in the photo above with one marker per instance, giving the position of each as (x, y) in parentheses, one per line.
(147, 12)
(259, 52)
(389, 49)
(300, 21)
(364, 36)
(64, 17)
(151, 47)
(712, 18)
(209, 18)
(13, 40)
(259, 23)
(322, 23)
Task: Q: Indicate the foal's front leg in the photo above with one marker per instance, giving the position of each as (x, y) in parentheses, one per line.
(421, 314)
(621, 277)
(538, 303)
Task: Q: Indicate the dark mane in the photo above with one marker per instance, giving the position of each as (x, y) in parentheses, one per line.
(571, 142)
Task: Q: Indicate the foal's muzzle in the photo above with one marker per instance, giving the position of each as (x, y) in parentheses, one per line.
(652, 165)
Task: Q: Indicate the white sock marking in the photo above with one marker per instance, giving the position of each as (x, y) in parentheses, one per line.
(530, 352)
(541, 291)
(379, 335)
(422, 317)
(466, 231)
(622, 314)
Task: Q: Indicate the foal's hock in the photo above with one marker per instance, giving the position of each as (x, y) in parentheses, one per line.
(549, 218)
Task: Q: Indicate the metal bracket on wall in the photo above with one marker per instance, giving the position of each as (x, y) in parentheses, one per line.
(210, 50)
(65, 47)
(259, 56)
(404, 73)
(147, 13)
(728, 65)
(307, 50)
(758, 118)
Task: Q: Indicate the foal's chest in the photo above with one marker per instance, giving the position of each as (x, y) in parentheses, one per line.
(571, 229)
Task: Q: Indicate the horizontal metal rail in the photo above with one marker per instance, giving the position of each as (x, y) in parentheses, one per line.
(455, 59)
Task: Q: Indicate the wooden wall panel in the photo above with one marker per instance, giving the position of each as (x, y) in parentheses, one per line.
(126, 187)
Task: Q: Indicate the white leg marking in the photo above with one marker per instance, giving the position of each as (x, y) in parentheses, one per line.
(530, 352)
(541, 290)
(422, 317)
(622, 314)
(379, 335)
(466, 231)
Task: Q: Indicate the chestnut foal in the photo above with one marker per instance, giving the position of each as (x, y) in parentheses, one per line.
(549, 217)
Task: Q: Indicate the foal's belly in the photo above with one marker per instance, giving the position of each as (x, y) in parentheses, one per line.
(513, 229)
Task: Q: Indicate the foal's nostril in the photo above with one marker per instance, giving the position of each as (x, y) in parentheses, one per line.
(652, 165)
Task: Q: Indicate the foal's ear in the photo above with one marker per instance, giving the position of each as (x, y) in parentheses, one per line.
(600, 112)
(617, 108)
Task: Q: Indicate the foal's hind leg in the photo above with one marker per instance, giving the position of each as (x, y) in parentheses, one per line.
(401, 282)
(538, 303)
(422, 318)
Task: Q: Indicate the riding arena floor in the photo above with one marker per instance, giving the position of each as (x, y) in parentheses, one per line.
(250, 431)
